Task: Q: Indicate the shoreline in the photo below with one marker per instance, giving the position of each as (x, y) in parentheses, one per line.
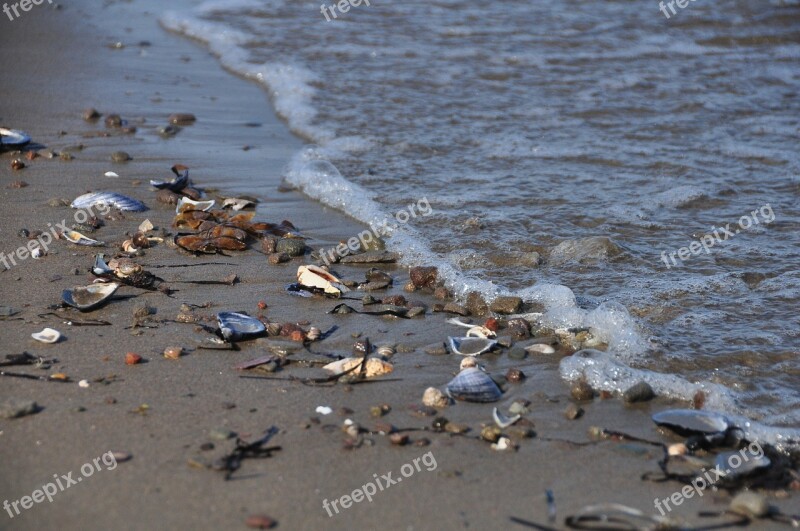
(199, 394)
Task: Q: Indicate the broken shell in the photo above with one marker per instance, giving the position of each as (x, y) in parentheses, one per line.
(311, 276)
(470, 346)
(48, 335)
(13, 138)
(37, 253)
(466, 363)
(175, 185)
(129, 247)
(113, 199)
(89, 297)
(237, 203)
(313, 333)
(235, 326)
(749, 463)
(432, 397)
(677, 449)
(504, 421)
(473, 385)
(77, 238)
(503, 443)
(691, 421)
(184, 204)
(146, 226)
(100, 266)
(480, 331)
(374, 366)
(386, 351)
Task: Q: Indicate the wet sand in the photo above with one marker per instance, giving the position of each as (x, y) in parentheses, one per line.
(59, 62)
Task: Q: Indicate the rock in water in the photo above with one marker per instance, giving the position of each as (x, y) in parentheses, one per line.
(506, 305)
(640, 392)
(424, 277)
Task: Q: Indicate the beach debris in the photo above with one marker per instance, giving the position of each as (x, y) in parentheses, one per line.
(467, 363)
(370, 257)
(474, 331)
(77, 238)
(244, 450)
(131, 358)
(374, 366)
(200, 244)
(473, 385)
(178, 183)
(291, 246)
(677, 449)
(14, 408)
(12, 138)
(236, 326)
(89, 297)
(470, 346)
(91, 114)
(433, 397)
(260, 521)
(185, 205)
(48, 335)
(514, 375)
(315, 278)
(112, 199)
(38, 253)
(504, 421)
(324, 410)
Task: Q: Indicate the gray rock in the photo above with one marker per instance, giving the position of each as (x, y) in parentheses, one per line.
(517, 353)
(573, 412)
(415, 311)
(437, 349)
(505, 341)
(291, 246)
(640, 392)
(506, 305)
(13, 408)
(221, 434)
(452, 307)
(120, 156)
(371, 257)
(750, 504)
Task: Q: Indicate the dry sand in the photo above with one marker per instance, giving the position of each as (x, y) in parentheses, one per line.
(58, 62)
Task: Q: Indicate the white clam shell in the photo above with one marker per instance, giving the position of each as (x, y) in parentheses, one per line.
(184, 203)
(470, 346)
(540, 348)
(504, 421)
(77, 238)
(312, 276)
(48, 335)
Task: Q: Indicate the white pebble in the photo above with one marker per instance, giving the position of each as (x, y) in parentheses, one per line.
(540, 348)
(324, 410)
(83, 383)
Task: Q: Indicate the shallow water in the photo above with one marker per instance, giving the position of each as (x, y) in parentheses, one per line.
(598, 135)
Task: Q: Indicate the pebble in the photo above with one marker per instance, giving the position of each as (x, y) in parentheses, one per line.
(291, 246)
(454, 427)
(221, 434)
(540, 348)
(573, 412)
(750, 504)
(132, 358)
(65, 155)
(515, 375)
(57, 202)
(415, 311)
(437, 349)
(476, 304)
(278, 258)
(113, 120)
(452, 307)
(173, 353)
(424, 277)
(168, 131)
(17, 165)
(504, 443)
(399, 439)
(490, 433)
(182, 118)
(260, 521)
(505, 341)
(13, 408)
(442, 293)
(640, 392)
(370, 257)
(120, 156)
(409, 287)
(677, 449)
(519, 407)
(506, 305)
(433, 397)
(91, 114)
(519, 328)
(517, 353)
(582, 391)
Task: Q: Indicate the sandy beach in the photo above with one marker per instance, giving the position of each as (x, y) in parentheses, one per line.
(164, 413)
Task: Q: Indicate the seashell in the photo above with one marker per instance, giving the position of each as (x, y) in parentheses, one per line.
(473, 385)
(374, 366)
(173, 353)
(48, 335)
(386, 351)
(113, 199)
(474, 331)
(37, 253)
(748, 463)
(89, 297)
(146, 226)
(129, 247)
(540, 348)
(237, 203)
(77, 238)
(470, 346)
(13, 138)
(186, 204)
(177, 184)
(235, 326)
(692, 421)
(504, 421)
(432, 397)
(100, 266)
(503, 443)
(311, 276)
(111, 174)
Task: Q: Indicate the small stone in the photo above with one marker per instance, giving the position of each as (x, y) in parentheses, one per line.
(582, 391)
(221, 434)
(91, 114)
(65, 155)
(518, 407)
(131, 358)
(173, 353)
(515, 375)
(490, 433)
(505, 341)
(278, 258)
(454, 427)
(113, 120)
(30, 155)
(167, 197)
(260, 521)
(424, 277)
(433, 397)
(506, 305)
(502, 444)
(83, 384)
(395, 300)
(750, 504)
(379, 411)
(291, 246)
(437, 349)
(269, 244)
(677, 449)
(573, 411)
(17, 184)
(13, 408)
(167, 131)
(452, 307)
(398, 439)
(17, 165)
(519, 328)
(442, 293)
(540, 348)
(640, 392)
(517, 353)
(409, 287)
(476, 304)
(120, 156)
(57, 202)
(415, 311)
(370, 257)
(181, 118)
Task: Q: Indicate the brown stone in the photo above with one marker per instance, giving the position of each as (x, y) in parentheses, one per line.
(476, 304)
(424, 277)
